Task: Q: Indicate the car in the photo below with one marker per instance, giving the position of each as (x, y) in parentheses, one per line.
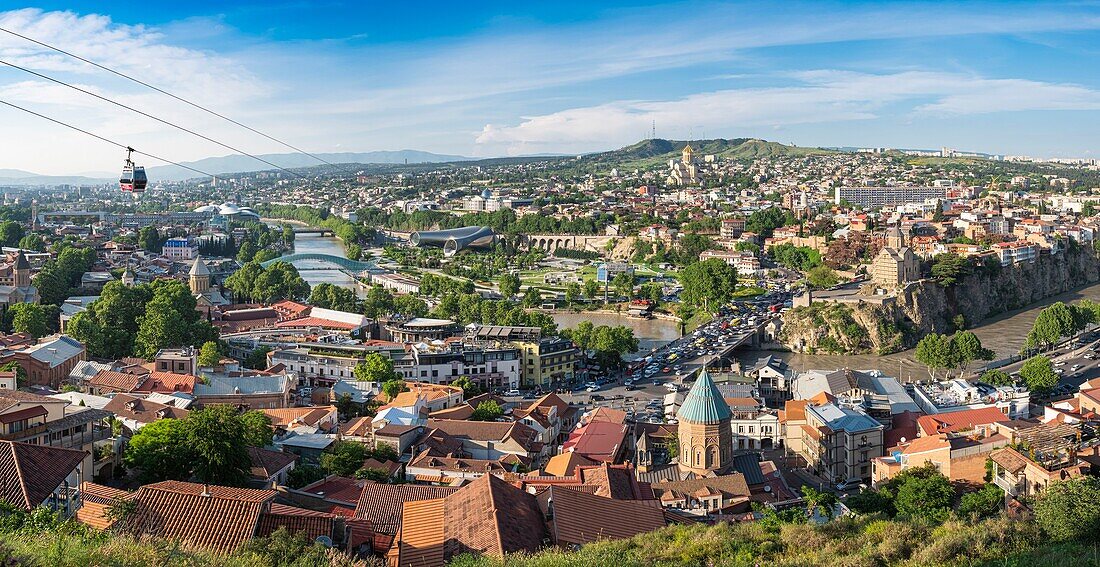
(631, 387)
(592, 388)
(847, 485)
(656, 382)
(597, 398)
(513, 393)
(1060, 363)
(672, 387)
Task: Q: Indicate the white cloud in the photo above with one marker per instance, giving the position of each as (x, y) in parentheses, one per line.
(820, 97)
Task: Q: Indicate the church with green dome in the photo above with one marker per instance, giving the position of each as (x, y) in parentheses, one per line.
(704, 432)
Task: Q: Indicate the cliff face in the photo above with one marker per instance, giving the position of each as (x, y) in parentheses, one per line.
(926, 306)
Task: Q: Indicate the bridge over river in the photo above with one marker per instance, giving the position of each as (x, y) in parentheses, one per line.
(353, 266)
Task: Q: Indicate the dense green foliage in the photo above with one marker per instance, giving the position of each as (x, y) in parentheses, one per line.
(140, 320)
(709, 283)
(57, 280)
(210, 444)
(940, 351)
(794, 257)
(280, 280)
(375, 368)
(609, 343)
(472, 308)
(1038, 373)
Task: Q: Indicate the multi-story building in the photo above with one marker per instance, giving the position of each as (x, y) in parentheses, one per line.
(48, 362)
(42, 420)
(754, 427)
(960, 395)
(839, 443)
(551, 360)
(490, 369)
(180, 248)
(1016, 251)
(870, 197)
(746, 263)
(323, 364)
(732, 227)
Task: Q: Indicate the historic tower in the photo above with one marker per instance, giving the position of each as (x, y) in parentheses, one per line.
(705, 435)
(21, 272)
(199, 278)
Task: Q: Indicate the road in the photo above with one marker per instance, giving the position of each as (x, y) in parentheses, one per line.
(1075, 365)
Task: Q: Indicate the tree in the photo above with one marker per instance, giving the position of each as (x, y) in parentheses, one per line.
(572, 293)
(623, 282)
(611, 343)
(378, 302)
(11, 233)
(532, 297)
(375, 368)
(218, 437)
(819, 501)
(209, 354)
(353, 252)
(30, 318)
(509, 285)
(257, 359)
(948, 267)
(997, 377)
(469, 388)
(20, 372)
(967, 347)
(160, 451)
(303, 475)
(488, 410)
(391, 388)
(328, 296)
(257, 428)
(983, 503)
(409, 306)
(246, 252)
(344, 458)
(927, 498)
(582, 335)
(707, 283)
(1038, 373)
(1070, 509)
(822, 277)
(935, 351)
(592, 289)
(32, 241)
(149, 239)
(1051, 324)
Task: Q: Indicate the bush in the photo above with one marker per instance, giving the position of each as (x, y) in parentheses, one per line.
(1070, 510)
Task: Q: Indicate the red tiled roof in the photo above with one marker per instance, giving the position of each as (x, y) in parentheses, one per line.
(316, 322)
(580, 518)
(25, 413)
(381, 504)
(337, 488)
(266, 463)
(167, 383)
(954, 421)
(219, 518)
(312, 523)
(118, 381)
(30, 473)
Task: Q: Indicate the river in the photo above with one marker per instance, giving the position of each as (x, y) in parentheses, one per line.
(318, 272)
(1004, 335)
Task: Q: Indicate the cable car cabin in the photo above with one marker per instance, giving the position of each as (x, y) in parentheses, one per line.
(133, 179)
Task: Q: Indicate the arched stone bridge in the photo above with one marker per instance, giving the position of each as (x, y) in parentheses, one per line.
(552, 242)
(339, 262)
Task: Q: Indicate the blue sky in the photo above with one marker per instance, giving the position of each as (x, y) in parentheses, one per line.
(565, 77)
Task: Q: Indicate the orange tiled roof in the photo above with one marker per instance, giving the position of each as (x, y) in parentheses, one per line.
(30, 473)
(219, 518)
(954, 421)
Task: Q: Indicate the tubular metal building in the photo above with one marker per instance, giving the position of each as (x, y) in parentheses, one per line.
(455, 239)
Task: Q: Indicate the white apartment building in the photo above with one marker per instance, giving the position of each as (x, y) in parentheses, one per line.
(180, 248)
(1015, 252)
(959, 395)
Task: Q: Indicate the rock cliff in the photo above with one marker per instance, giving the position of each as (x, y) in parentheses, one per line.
(923, 307)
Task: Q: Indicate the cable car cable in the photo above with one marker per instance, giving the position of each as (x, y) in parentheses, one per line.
(166, 93)
(147, 115)
(108, 140)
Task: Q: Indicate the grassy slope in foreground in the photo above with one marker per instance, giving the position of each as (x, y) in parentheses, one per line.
(846, 542)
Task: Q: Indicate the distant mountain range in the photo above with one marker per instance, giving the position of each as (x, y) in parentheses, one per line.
(226, 165)
(239, 164)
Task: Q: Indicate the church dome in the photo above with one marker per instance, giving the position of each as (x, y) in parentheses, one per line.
(704, 403)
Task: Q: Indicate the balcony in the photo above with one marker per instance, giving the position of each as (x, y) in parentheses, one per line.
(1011, 487)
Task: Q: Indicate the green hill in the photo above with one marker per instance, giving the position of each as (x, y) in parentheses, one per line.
(657, 151)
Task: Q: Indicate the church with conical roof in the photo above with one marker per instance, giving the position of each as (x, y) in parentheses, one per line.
(704, 430)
